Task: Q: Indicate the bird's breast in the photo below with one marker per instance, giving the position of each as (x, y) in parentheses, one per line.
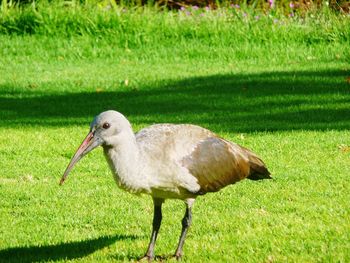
(127, 172)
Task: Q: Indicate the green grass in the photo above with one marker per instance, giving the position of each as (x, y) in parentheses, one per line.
(283, 93)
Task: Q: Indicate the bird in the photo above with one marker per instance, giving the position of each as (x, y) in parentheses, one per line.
(168, 161)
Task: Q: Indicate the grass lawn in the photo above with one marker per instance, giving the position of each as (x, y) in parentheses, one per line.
(287, 101)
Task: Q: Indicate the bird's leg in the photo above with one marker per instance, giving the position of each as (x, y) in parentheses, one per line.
(186, 222)
(157, 219)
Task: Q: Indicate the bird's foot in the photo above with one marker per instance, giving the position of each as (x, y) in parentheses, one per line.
(178, 256)
(147, 258)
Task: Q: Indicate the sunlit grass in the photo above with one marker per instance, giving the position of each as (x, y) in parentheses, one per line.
(298, 216)
(135, 27)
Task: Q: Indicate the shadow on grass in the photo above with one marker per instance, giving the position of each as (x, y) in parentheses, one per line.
(63, 251)
(133, 258)
(309, 100)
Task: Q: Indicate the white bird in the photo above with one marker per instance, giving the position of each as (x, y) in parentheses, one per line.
(179, 161)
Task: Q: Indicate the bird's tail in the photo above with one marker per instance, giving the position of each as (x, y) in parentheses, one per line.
(260, 173)
(258, 169)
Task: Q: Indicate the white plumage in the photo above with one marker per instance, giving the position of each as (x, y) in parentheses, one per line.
(168, 161)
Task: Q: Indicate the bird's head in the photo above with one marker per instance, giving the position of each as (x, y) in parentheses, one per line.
(106, 129)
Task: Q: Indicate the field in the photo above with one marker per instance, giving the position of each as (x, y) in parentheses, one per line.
(276, 84)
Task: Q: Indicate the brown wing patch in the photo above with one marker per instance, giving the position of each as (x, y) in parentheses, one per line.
(216, 163)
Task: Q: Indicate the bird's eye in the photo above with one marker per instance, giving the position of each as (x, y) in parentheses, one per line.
(106, 125)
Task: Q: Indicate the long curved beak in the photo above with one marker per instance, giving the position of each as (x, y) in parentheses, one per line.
(90, 142)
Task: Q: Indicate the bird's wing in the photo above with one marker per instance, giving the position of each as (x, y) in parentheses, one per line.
(216, 163)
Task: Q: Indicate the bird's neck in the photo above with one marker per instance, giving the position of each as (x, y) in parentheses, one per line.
(125, 163)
